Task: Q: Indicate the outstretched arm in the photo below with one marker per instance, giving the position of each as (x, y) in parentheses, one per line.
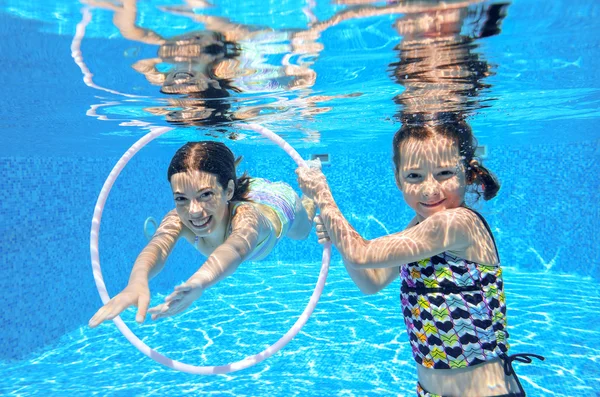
(148, 263)
(248, 225)
(445, 231)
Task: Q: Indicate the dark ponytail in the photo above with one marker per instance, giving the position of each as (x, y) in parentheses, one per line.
(485, 180)
(215, 158)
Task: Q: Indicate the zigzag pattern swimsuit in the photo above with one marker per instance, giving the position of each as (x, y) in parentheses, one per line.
(455, 313)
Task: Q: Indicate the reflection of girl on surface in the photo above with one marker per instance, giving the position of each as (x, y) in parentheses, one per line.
(228, 219)
(452, 290)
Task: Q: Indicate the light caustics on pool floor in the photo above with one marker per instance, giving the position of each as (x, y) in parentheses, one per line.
(353, 345)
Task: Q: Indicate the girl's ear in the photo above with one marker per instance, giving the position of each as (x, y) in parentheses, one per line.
(230, 189)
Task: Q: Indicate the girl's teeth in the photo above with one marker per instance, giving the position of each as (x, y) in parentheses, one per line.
(199, 224)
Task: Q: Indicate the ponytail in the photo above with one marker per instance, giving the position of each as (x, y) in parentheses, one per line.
(242, 188)
(484, 178)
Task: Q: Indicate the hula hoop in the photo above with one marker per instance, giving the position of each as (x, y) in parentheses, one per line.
(131, 337)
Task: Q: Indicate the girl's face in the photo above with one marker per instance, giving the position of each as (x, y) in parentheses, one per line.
(200, 201)
(431, 175)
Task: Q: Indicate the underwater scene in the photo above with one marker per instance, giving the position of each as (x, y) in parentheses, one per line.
(300, 198)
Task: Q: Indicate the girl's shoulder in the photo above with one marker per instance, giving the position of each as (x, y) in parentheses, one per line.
(453, 219)
(467, 222)
(481, 245)
(242, 208)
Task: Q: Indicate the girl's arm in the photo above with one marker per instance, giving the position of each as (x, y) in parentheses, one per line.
(248, 225)
(148, 263)
(153, 257)
(444, 231)
(371, 281)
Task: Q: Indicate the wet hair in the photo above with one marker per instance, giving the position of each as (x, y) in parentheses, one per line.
(455, 128)
(215, 158)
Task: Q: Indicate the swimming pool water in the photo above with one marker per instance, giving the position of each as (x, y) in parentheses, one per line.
(353, 345)
(536, 111)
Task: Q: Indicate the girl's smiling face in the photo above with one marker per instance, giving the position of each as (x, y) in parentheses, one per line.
(201, 203)
(431, 175)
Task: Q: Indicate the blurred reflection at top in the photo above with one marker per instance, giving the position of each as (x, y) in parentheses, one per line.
(205, 67)
(439, 65)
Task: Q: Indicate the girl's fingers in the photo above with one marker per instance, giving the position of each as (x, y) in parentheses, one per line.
(174, 296)
(143, 303)
(98, 318)
(183, 288)
(115, 308)
(156, 309)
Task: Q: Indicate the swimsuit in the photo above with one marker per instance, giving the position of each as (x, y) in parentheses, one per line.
(281, 198)
(455, 313)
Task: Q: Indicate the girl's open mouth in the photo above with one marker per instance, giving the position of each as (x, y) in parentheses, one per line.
(201, 223)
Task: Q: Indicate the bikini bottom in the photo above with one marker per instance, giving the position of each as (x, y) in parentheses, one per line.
(508, 370)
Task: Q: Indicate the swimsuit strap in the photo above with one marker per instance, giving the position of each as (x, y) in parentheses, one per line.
(488, 229)
(521, 357)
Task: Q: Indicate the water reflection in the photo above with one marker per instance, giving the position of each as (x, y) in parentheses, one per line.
(204, 70)
(439, 65)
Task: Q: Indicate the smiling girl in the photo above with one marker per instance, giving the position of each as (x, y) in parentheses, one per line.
(228, 219)
(452, 293)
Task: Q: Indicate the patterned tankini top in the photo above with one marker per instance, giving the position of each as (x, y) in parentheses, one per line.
(454, 311)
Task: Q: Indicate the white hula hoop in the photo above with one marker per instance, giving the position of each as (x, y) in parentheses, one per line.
(141, 346)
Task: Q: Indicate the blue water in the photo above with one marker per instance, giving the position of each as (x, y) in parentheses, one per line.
(536, 111)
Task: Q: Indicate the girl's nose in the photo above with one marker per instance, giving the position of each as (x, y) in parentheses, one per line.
(430, 189)
(195, 207)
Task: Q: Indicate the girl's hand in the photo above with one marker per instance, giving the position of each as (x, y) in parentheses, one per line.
(311, 181)
(135, 294)
(183, 296)
(322, 234)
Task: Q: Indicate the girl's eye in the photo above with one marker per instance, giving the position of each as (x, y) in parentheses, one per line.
(180, 199)
(412, 175)
(446, 173)
(206, 195)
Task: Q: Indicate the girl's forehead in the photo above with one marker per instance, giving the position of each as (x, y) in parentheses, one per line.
(435, 151)
(193, 179)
